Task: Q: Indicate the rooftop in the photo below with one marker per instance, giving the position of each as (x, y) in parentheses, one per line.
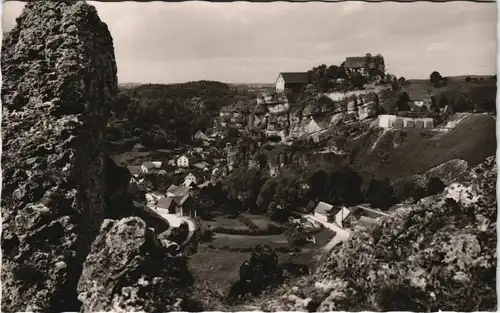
(355, 62)
(295, 77)
(323, 208)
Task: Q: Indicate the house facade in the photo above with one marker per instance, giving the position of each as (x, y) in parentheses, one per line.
(293, 82)
(355, 64)
(183, 161)
(341, 216)
(190, 177)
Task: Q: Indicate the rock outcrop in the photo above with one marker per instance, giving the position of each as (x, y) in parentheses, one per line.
(437, 255)
(59, 78)
(130, 270)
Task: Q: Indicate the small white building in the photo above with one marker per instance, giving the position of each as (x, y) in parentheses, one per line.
(192, 178)
(386, 121)
(321, 211)
(183, 161)
(292, 81)
(341, 216)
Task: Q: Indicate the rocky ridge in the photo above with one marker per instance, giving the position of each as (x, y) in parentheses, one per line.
(59, 81)
(436, 255)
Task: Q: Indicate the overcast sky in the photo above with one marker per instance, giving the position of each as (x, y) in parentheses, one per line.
(243, 42)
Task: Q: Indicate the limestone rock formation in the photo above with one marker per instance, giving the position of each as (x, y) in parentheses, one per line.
(129, 269)
(437, 255)
(59, 77)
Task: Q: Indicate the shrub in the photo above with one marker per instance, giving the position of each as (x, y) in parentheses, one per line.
(247, 221)
(249, 232)
(295, 237)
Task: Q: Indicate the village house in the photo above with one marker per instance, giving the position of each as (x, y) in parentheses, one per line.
(293, 82)
(200, 136)
(202, 166)
(190, 178)
(386, 121)
(147, 166)
(341, 216)
(183, 161)
(135, 170)
(180, 196)
(355, 64)
(421, 100)
(322, 211)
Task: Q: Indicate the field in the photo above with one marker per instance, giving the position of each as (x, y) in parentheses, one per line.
(476, 91)
(219, 267)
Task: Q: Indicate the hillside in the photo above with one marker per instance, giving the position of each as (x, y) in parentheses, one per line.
(400, 153)
(163, 116)
(437, 255)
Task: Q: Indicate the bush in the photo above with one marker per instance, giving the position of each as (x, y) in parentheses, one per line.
(247, 221)
(295, 237)
(270, 230)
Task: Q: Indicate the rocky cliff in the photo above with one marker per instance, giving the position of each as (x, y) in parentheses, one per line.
(59, 77)
(58, 186)
(437, 255)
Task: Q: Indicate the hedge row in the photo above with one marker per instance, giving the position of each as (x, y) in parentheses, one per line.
(247, 221)
(270, 230)
(250, 249)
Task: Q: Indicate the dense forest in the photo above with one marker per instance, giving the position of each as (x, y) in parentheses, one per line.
(162, 115)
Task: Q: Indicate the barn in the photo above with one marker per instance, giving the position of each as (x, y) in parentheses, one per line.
(294, 82)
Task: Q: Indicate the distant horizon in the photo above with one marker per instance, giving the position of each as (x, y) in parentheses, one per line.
(272, 83)
(238, 42)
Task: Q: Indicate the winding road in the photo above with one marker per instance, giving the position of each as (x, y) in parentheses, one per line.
(175, 221)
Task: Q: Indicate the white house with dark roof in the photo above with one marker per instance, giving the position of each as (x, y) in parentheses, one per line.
(293, 81)
(183, 161)
(341, 216)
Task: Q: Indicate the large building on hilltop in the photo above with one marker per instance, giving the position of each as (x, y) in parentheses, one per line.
(293, 82)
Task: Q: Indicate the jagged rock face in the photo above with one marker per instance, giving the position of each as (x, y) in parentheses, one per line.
(129, 269)
(59, 77)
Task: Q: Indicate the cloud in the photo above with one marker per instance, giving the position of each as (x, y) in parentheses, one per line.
(252, 42)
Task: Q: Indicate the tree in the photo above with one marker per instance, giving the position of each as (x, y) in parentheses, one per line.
(344, 186)
(403, 102)
(402, 81)
(318, 182)
(380, 193)
(358, 80)
(468, 79)
(435, 78)
(332, 71)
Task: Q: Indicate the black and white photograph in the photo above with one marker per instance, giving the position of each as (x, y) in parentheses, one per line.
(196, 156)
